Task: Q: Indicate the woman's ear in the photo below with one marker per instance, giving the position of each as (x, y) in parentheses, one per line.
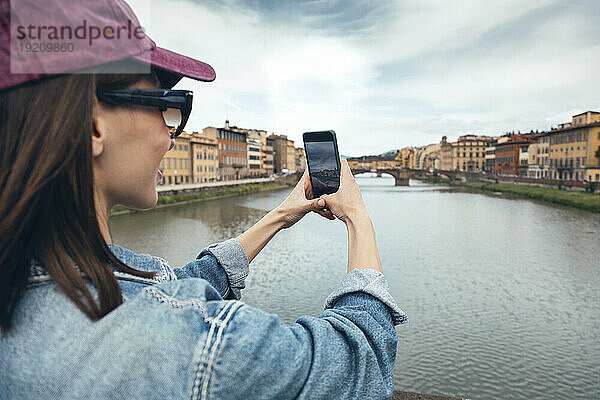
(98, 129)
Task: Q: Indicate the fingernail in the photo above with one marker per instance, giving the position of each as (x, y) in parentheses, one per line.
(321, 203)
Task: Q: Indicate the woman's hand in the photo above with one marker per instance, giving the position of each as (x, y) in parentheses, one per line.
(290, 211)
(300, 201)
(347, 203)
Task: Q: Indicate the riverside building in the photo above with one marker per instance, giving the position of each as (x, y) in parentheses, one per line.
(232, 150)
(468, 153)
(573, 148)
(507, 154)
(539, 162)
(445, 154)
(205, 158)
(176, 165)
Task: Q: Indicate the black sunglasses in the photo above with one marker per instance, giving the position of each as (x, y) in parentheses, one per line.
(175, 105)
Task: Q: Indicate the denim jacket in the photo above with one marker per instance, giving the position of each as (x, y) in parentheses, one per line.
(185, 334)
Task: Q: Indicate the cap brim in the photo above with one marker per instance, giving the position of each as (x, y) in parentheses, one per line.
(176, 66)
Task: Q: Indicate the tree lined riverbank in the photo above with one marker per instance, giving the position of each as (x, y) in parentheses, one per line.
(581, 200)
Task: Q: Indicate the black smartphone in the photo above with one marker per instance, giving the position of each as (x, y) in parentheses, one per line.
(323, 160)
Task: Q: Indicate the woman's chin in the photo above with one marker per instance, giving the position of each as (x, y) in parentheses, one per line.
(146, 203)
(153, 199)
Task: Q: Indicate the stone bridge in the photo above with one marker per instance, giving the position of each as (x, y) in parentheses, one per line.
(403, 175)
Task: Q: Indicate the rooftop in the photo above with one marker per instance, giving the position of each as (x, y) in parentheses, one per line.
(566, 128)
(583, 113)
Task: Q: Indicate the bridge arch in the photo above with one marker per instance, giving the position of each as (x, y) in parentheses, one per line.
(401, 178)
(378, 172)
(449, 175)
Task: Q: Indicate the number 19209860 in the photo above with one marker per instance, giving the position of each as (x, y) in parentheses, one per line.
(43, 47)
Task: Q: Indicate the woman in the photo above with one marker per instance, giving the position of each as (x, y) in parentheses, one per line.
(83, 317)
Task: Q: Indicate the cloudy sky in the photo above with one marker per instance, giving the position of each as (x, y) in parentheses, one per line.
(385, 74)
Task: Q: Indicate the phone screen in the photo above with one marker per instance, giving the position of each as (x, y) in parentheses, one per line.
(323, 166)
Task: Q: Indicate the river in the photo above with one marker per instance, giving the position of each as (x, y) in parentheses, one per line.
(502, 295)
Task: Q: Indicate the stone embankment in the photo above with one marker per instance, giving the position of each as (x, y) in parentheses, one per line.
(398, 395)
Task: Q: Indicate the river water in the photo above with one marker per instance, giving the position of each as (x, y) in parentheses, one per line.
(502, 295)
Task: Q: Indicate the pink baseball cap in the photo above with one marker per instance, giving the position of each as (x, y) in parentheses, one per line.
(41, 38)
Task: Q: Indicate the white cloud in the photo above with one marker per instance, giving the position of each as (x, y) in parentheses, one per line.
(429, 26)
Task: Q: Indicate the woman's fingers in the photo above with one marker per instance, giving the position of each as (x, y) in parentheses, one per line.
(308, 191)
(316, 206)
(345, 170)
(307, 186)
(325, 213)
(302, 188)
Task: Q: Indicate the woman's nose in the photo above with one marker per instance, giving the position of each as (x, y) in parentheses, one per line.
(172, 144)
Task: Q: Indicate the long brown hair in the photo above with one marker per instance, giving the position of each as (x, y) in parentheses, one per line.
(47, 209)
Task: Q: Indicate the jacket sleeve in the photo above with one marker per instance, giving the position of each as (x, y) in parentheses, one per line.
(225, 265)
(347, 352)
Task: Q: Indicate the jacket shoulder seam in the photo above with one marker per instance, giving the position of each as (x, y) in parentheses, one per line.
(168, 272)
(175, 303)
